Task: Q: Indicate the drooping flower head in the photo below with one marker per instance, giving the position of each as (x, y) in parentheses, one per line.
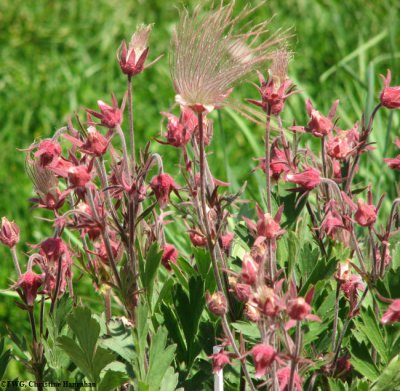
(392, 314)
(263, 356)
(9, 232)
(390, 96)
(209, 57)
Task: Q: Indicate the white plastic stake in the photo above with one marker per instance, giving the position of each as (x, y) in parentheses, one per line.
(218, 376)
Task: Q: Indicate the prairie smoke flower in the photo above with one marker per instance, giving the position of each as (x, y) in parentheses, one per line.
(249, 270)
(278, 162)
(394, 164)
(169, 255)
(278, 87)
(307, 180)
(365, 214)
(217, 303)
(9, 232)
(197, 239)
(96, 144)
(283, 375)
(268, 302)
(263, 356)
(219, 360)
(298, 308)
(226, 240)
(392, 314)
(29, 282)
(162, 185)
(208, 57)
(180, 130)
(78, 176)
(47, 151)
(110, 116)
(267, 226)
(343, 144)
(45, 184)
(131, 59)
(318, 125)
(390, 96)
(242, 292)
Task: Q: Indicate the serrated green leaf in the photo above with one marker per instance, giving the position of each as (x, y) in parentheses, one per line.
(170, 380)
(389, 379)
(76, 354)
(111, 380)
(86, 329)
(370, 329)
(101, 359)
(247, 329)
(160, 359)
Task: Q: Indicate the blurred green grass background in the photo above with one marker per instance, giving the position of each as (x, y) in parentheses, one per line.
(58, 57)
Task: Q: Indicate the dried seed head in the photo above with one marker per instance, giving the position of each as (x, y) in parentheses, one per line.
(279, 67)
(208, 57)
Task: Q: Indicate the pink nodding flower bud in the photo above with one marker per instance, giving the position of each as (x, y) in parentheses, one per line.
(393, 163)
(390, 96)
(219, 361)
(268, 302)
(9, 232)
(226, 240)
(78, 176)
(170, 253)
(263, 356)
(162, 185)
(242, 292)
(217, 303)
(365, 214)
(249, 270)
(283, 376)
(268, 227)
(110, 116)
(96, 144)
(197, 239)
(30, 282)
(48, 150)
(392, 314)
(320, 125)
(298, 309)
(180, 130)
(307, 180)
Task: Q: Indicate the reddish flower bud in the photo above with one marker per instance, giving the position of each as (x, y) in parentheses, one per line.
(226, 240)
(30, 282)
(219, 361)
(298, 309)
(162, 185)
(216, 303)
(343, 144)
(393, 163)
(268, 227)
(319, 125)
(307, 180)
(390, 96)
(283, 376)
(180, 130)
(242, 292)
(268, 302)
(132, 58)
(96, 144)
(249, 270)
(170, 253)
(78, 176)
(197, 239)
(365, 214)
(110, 116)
(392, 314)
(9, 232)
(48, 150)
(263, 356)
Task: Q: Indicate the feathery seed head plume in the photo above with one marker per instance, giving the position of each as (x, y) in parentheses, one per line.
(209, 56)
